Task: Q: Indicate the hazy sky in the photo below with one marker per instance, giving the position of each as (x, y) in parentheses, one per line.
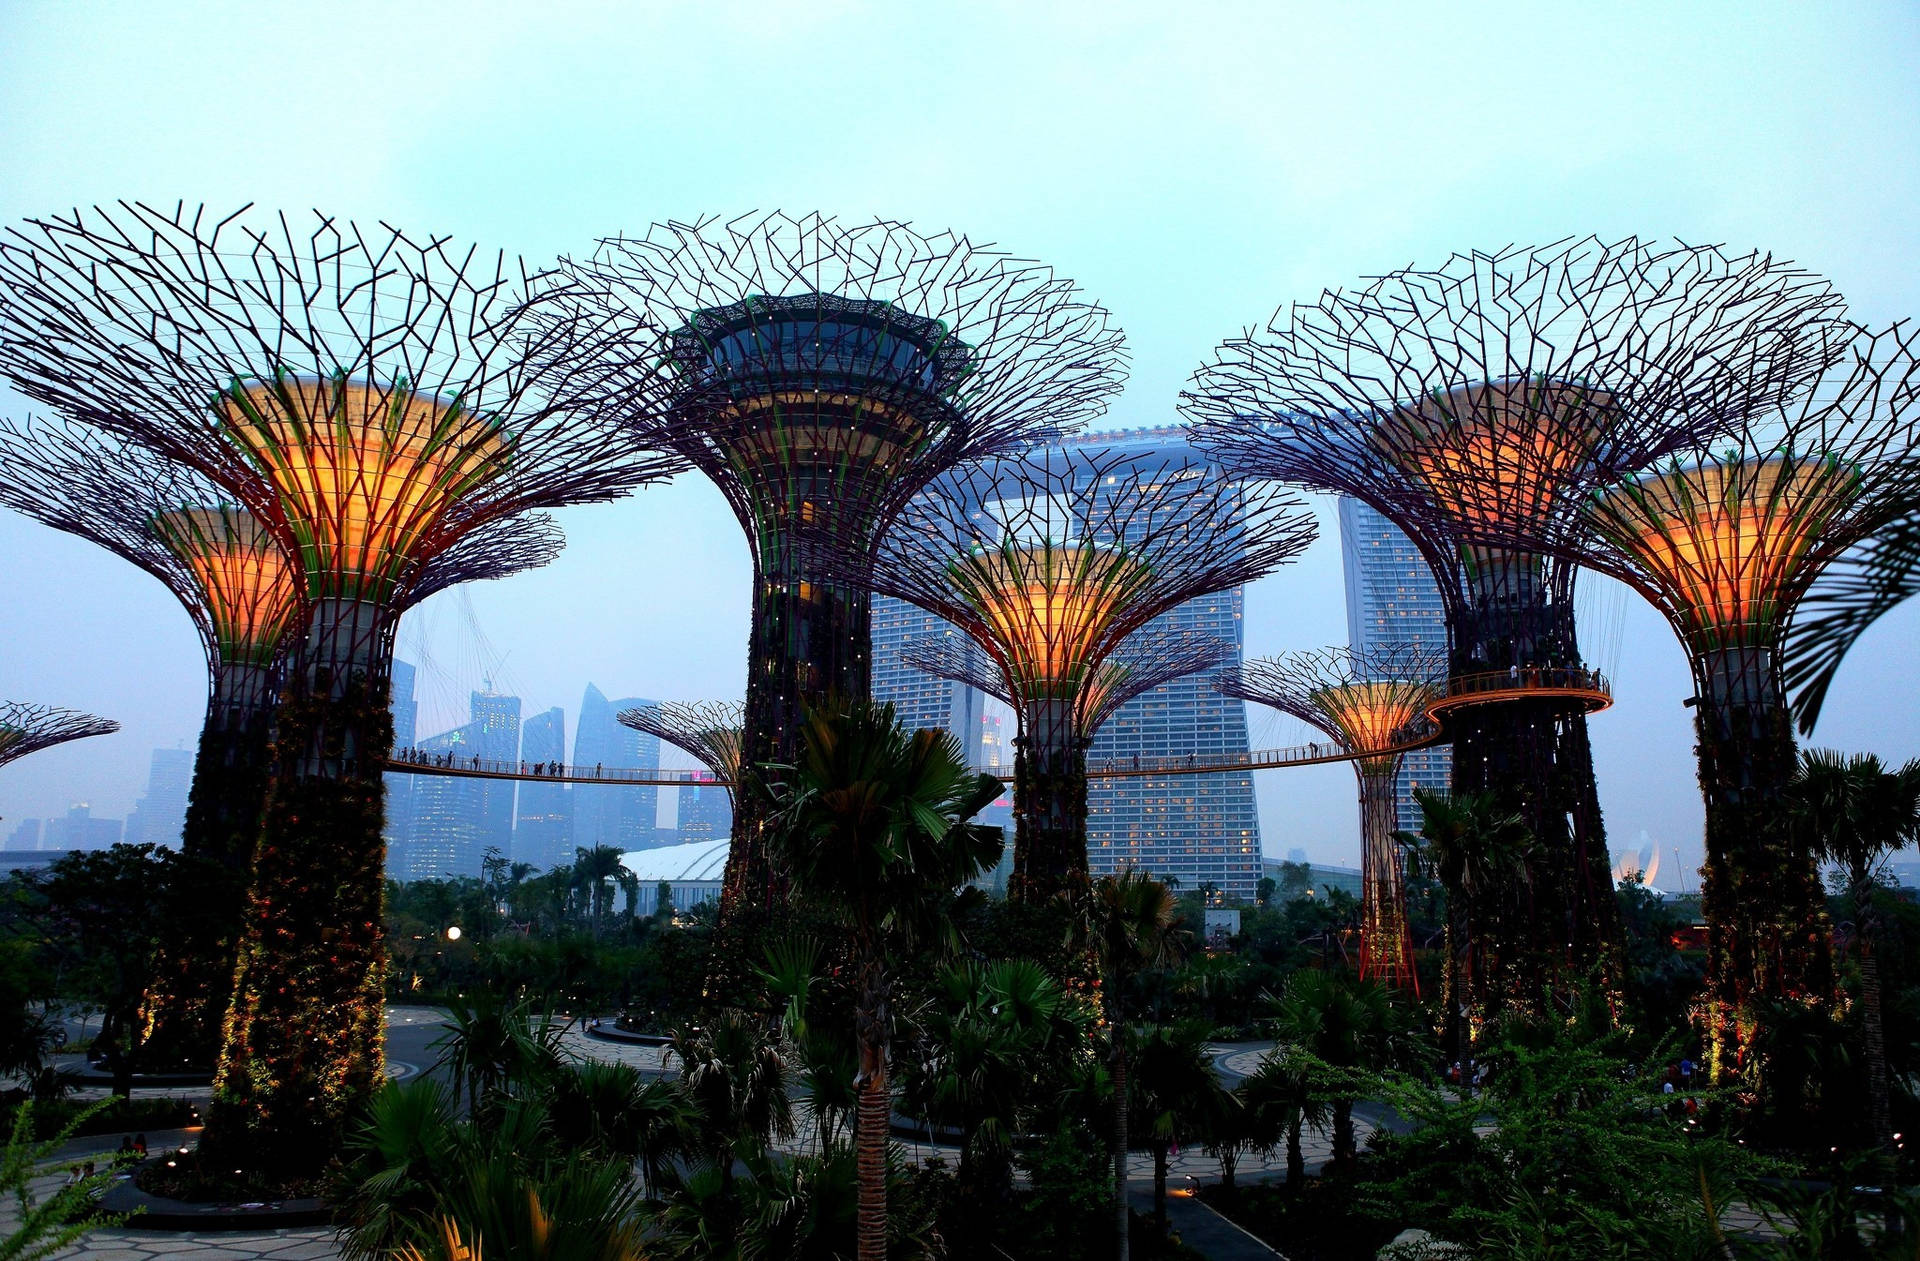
(1191, 165)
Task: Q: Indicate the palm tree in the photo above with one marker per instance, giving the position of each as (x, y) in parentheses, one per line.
(1280, 1095)
(491, 1043)
(1479, 856)
(598, 871)
(872, 830)
(1132, 931)
(1854, 811)
(1175, 1092)
(988, 1034)
(613, 1110)
(1350, 1025)
(736, 1083)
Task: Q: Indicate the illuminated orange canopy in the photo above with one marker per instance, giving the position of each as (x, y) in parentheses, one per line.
(1370, 715)
(1496, 452)
(248, 583)
(364, 473)
(1049, 606)
(1727, 540)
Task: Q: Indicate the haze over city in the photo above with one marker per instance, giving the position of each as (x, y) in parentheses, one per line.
(1191, 171)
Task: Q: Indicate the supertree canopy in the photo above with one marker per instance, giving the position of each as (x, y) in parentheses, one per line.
(821, 373)
(1471, 403)
(243, 592)
(26, 728)
(1146, 659)
(709, 730)
(1726, 540)
(367, 398)
(1049, 563)
(1372, 704)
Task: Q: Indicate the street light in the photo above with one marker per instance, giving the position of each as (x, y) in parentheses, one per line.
(453, 932)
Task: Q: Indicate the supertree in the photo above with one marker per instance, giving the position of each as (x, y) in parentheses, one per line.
(709, 730)
(1371, 704)
(367, 397)
(1049, 563)
(243, 591)
(820, 374)
(1469, 403)
(26, 728)
(1726, 540)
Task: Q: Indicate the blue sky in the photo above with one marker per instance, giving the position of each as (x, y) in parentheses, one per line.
(1193, 166)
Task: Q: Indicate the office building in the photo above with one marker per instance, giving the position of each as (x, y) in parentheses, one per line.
(543, 830)
(160, 815)
(920, 700)
(78, 829)
(1392, 599)
(456, 820)
(608, 814)
(705, 812)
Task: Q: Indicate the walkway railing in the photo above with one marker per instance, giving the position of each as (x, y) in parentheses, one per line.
(1588, 688)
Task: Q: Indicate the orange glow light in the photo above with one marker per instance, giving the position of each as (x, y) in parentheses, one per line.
(364, 473)
(1369, 715)
(248, 583)
(1727, 540)
(1049, 606)
(1496, 452)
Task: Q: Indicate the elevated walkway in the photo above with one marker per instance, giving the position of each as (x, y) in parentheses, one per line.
(1586, 689)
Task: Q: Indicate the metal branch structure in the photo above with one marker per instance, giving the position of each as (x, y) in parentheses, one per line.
(243, 592)
(821, 373)
(1147, 659)
(27, 728)
(1049, 563)
(1470, 404)
(367, 397)
(1370, 704)
(1726, 541)
(708, 730)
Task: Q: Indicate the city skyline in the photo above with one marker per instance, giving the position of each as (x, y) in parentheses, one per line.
(1174, 199)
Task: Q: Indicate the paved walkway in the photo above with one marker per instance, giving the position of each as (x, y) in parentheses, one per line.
(1199, 1225)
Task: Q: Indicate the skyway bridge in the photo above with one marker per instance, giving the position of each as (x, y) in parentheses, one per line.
(1585, 689)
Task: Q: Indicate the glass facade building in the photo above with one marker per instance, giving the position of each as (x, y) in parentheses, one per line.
(543, 829)
(610, 814)
(1392, 599)
(920, 700)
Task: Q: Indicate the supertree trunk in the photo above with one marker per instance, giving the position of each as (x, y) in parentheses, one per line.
(1767, 932)
(183, 1010)
(1386, 944)
(873, 1110)
(304, 1032)
(1050, 806)
(812, 638)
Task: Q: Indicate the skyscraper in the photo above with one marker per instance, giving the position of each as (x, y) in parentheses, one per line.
(1393, 599)
(456, 820)
(161, 813)
(406, 717)
(706, 812)
(994, 752)
(919, 699)
(605, 814)
(78, 829)
(543, 834)
(496, 738)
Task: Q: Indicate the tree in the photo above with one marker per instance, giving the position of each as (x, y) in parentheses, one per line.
(1478, 853)
(736, 1083)
(1279, 1096)
(1854, 811)
(598, 871)
(107, 910)
(1347, 1024)
(872, 829)
(1173, 1091)
(1133, 930)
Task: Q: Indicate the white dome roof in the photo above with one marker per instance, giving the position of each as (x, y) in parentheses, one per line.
(702, 860)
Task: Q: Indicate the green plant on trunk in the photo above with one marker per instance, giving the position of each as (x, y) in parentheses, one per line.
(1133, 930)
(872, 831)
(1854, 811)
